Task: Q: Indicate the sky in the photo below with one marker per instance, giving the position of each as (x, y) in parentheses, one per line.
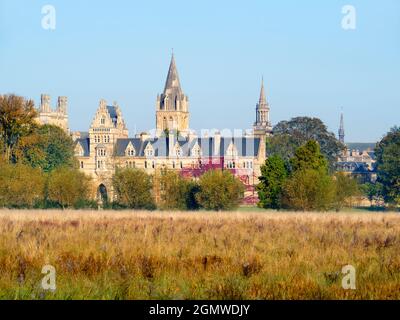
(120, 51)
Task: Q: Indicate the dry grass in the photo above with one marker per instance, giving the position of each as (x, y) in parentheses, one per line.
(141, 255)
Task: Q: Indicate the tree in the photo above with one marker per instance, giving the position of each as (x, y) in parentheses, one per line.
(309, 190)
(289, 135)
(373, 191)
(219, 190)
(309, 156)
(67, 187)
(133, 188)
(346, 188)
(174, 191)
(48, 147)
(388, 165)
(17, 119)
(272, 180)
(20, 185)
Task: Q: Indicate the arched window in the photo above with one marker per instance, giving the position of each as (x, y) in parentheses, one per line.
(81, 164)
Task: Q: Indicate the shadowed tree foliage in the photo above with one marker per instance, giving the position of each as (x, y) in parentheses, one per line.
(289, 135)
(47, 147)
(272, 180)
(133, 188)
(17, 119)
(388, 165)
(68, 187)
(20, 185)
(219, 190)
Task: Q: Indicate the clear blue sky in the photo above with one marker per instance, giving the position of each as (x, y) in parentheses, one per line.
(120, 50)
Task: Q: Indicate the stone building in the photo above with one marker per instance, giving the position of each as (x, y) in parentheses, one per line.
(107, 146)
(357, 159)
(57, 117)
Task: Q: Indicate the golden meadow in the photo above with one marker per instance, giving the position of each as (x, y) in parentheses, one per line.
(231, 255)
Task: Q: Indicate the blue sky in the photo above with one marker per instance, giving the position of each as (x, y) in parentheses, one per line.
(120, 51)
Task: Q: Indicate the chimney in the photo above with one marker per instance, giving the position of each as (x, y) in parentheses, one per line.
(217, 143)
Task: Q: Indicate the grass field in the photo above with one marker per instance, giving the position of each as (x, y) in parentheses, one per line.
(233, 255)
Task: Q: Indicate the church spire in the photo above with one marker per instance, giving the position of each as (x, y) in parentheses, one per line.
(172, 83)
(263, 99)
(341, 129)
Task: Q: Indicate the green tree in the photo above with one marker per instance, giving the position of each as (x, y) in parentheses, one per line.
(133, 188)
(309, 156)
(68, 187)
(309, 190)
(20, 185)
(289, 135)
(17, 119)
(174, 191)
(373, 191)
(272, 180)
(388, 165)
(219, 190)
(48, 147)
(346, 189)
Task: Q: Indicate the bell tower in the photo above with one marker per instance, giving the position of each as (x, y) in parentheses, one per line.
(172, 106)
(262, 126)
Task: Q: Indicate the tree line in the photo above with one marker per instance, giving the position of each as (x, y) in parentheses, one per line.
(38, 170)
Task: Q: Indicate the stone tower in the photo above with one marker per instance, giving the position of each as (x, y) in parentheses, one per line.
(262, 126)
(172, 106)
(341, 129)
(57, 117)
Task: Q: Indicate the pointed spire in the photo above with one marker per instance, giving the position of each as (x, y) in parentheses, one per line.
(263, 99)
(341, 129)
(172, 82)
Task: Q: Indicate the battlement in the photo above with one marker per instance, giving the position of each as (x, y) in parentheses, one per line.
(57, 116)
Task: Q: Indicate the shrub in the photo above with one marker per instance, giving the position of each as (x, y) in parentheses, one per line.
(219, 190)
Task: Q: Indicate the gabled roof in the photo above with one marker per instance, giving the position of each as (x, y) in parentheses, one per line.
(246, 146)
(85, 144)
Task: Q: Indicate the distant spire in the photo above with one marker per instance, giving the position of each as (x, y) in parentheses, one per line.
(263, 99)
(172, 82)
(341, 129)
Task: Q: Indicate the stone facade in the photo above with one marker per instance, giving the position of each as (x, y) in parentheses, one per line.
(107, 145)
(57, 117)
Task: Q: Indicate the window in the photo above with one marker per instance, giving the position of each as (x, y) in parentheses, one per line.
(149, 152)
(101, 152)
(81, 164)
(103, 121)
(145, 164)
(178, 152)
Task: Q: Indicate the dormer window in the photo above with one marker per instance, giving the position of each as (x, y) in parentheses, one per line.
(232, 151)
(196, 152)
(149, 152)
(178, 152)
(130, 150)
(103, 121)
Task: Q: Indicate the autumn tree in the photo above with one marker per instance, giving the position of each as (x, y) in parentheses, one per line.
(174, 191)
(17, 119)
(67, 187)
(20, 185)
(219, 190)
(133, 188)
